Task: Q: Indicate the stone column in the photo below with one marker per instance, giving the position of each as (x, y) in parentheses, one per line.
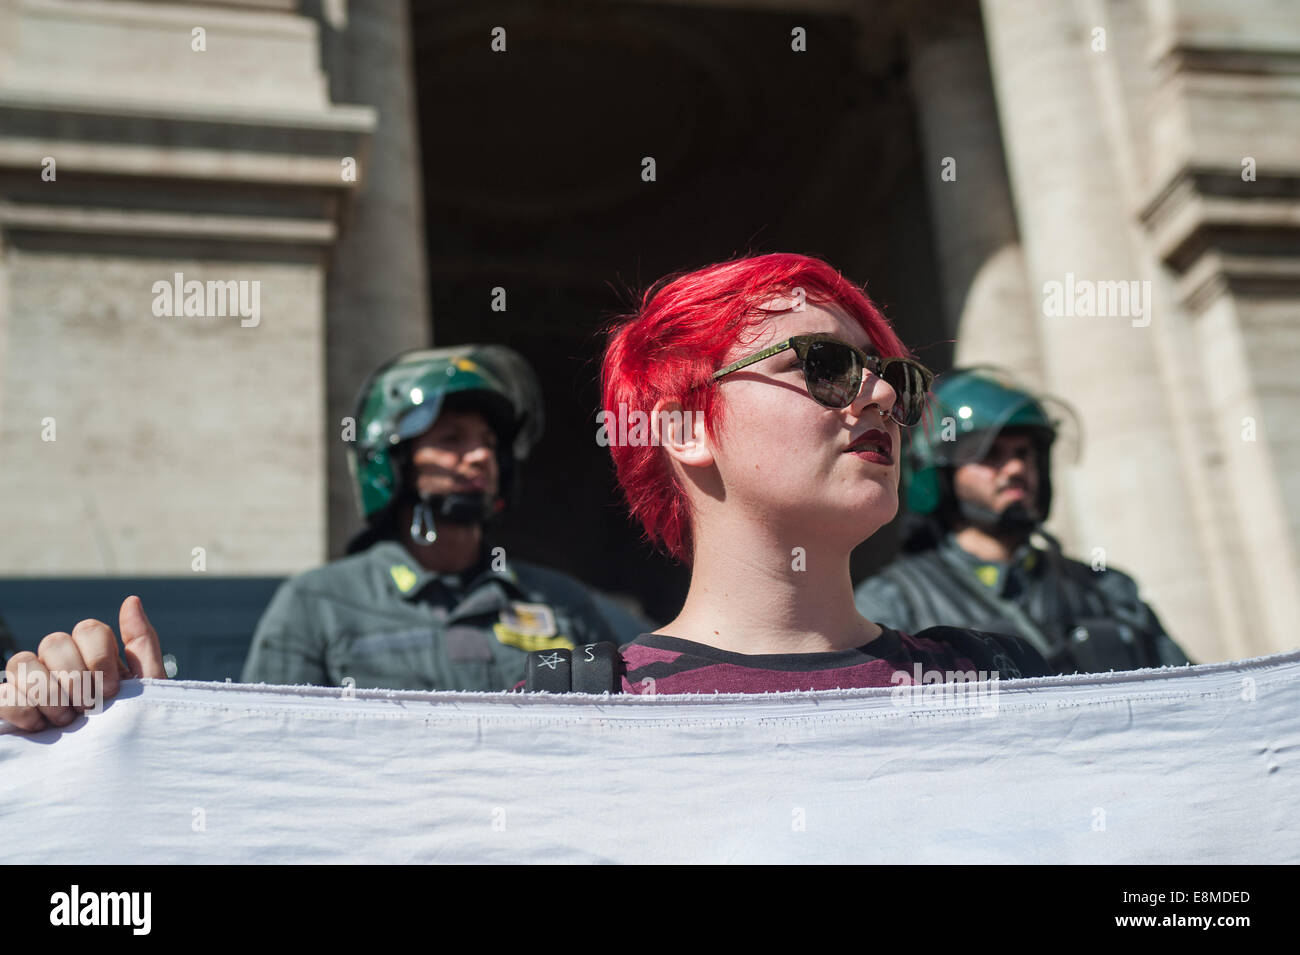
(142, 434)
(1222, 206)
(1130, 501)
(377, 294)
(987, 304)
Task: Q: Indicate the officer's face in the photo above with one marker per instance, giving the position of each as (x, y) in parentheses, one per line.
(456, 456)
(784, 459)
(1007, 475)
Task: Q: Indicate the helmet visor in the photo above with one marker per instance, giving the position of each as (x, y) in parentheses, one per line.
(418, 420)
(965, 438)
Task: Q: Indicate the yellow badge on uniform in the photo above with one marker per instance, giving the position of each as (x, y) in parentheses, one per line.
(534, 620)
(530, 627)
(403, 576)
(987, 573)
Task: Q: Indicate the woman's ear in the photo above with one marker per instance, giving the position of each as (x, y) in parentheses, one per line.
(681, 433)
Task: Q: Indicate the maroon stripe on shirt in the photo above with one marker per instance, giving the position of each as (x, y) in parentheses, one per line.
(729, 678)
(683, 666)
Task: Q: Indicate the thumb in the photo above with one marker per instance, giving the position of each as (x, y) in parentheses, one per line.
(143, 652)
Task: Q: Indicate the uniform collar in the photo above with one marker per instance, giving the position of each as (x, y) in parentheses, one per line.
(408, 578)
(994, 574)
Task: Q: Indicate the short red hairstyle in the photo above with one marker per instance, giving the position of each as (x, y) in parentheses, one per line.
(683, 329)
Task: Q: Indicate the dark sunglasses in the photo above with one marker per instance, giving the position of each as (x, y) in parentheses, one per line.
(833, 371)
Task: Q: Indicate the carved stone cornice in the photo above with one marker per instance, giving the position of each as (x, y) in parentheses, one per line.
(1220, 234)
(147, 176)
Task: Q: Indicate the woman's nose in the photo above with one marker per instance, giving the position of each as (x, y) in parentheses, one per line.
(875, 391)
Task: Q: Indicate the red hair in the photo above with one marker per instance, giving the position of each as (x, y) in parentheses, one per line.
(684, 328)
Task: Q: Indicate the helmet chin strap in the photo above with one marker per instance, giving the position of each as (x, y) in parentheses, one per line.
(450, 508)
(1016, 519)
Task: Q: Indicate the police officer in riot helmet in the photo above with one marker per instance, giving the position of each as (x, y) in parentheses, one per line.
(422, 601)
(975, 553)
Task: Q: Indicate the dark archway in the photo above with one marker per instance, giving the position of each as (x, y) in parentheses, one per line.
(532, 165)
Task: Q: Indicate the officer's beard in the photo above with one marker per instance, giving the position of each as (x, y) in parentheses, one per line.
(1016, 521)
(431, 510)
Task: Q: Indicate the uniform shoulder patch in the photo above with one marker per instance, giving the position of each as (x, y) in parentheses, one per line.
(528, 642)
(403, 576)
(530, 627)
(536, 620)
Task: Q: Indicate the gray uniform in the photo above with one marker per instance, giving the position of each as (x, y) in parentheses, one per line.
(381, 619)
(1077, 618)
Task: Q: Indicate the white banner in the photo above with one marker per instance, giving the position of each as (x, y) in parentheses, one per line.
(1196, 765)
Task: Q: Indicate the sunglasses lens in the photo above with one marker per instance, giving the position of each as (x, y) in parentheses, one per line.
(834, 374)
(909, 384)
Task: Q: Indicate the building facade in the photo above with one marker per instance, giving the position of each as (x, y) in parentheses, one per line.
(1102, 195)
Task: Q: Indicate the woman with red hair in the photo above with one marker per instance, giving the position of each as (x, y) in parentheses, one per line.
(776, 395)
(773, 394)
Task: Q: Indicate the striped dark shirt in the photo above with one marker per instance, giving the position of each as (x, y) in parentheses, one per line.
(660, 664)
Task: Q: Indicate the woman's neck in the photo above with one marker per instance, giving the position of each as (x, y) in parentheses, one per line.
(764, 595)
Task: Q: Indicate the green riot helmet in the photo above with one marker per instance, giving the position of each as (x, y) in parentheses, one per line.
(969, 408)
(403, 398)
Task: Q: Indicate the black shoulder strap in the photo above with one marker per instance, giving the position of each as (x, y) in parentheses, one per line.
(983, 647)
(591, 668)
(548, 671)
(597, 668)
